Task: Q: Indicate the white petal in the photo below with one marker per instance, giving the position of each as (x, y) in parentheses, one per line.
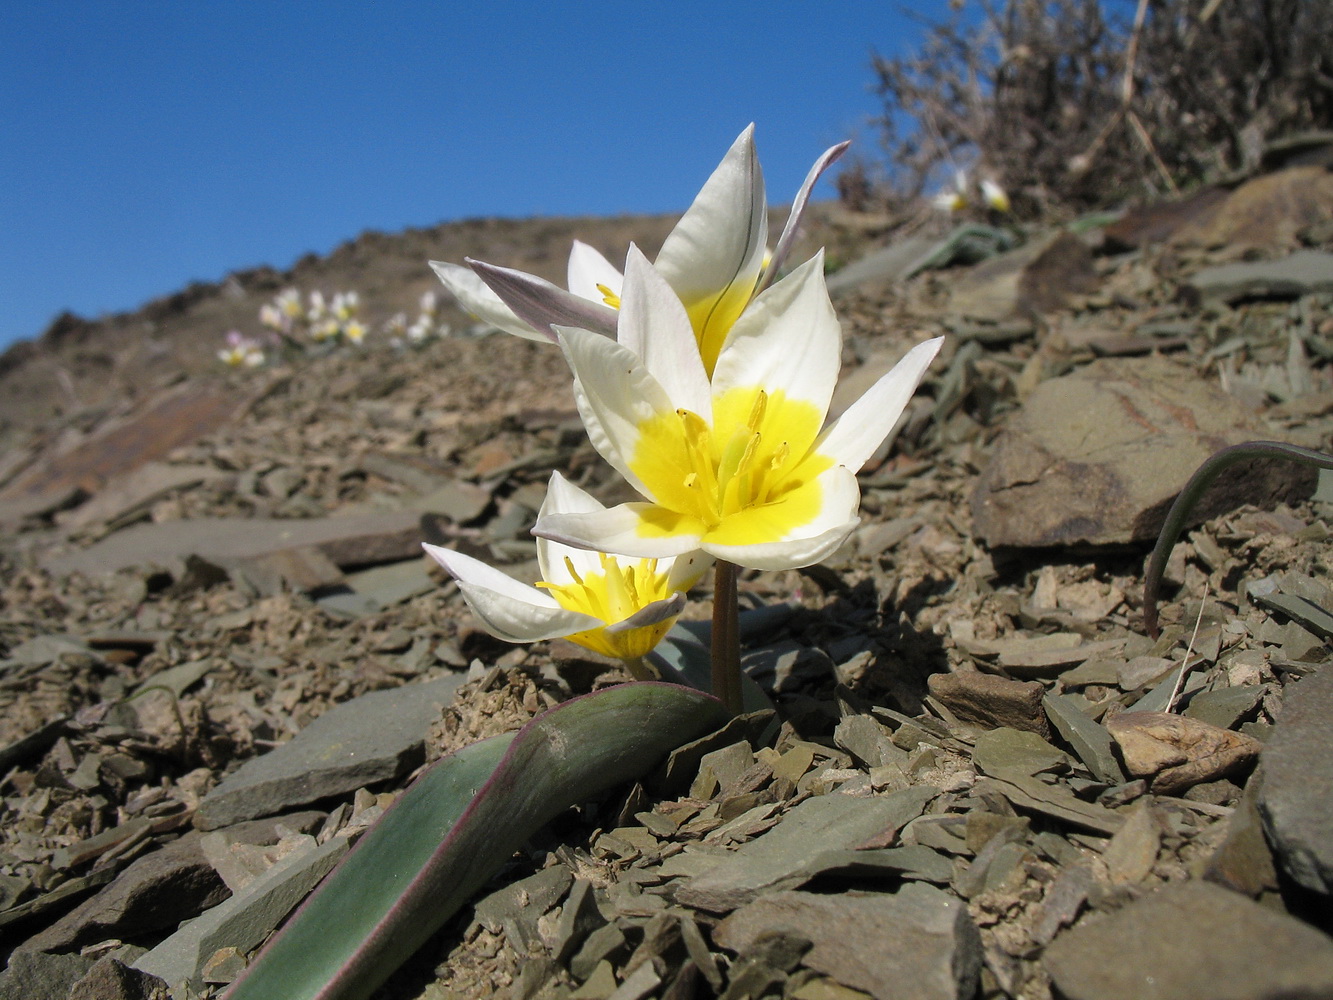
(650, 614)
(479, 301)
(508, 609)
(818, 539)
(563, 497)
(618, 530)
(720, 240)
(790, 230)
(615, 394)
(654, 325)
(788, 339)
(854, 436)
(588, 269)
(542, 304)
(686, 570)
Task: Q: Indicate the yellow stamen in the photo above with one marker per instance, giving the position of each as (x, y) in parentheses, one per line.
(608, 296)
(728, 477)
(613, 595)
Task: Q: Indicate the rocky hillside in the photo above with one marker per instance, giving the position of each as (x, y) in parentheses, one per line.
(981, 776)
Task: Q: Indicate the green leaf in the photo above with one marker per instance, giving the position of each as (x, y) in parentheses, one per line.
(453, 828)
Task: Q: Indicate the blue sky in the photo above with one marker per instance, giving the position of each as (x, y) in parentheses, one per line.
(148, 144)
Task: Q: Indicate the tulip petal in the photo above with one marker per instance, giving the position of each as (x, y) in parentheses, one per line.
(588, 270)
(712, 258)
(542, 304)
(641, 530)
(562, 496)
(508, 609)
(615, 394)
(479, 301)
(788, 339)
(816, 539)
(655, 326)
(686, 570)
(798, 206)
(650, 614)
(853, 437)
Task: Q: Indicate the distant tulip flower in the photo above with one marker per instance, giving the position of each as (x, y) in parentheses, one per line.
(741, 465)
(241, 351)
(614, 606)
(994, 196)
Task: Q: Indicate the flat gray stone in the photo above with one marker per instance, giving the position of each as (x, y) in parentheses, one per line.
(793, 851)
(1012, 751)
(1191, 940)
(1225, 707)
(895, 262)
(1097, 457)
(354, 539)
(1296, 799)
(244, 920)
(917, 944)
(373, 738)
(135, 490)
(1089, 739)
(1305, 272)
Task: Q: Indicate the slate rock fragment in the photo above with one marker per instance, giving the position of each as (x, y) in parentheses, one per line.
(1190, 940)
(1296, 798)
(1097, 457)
(916, 944)
(245, 919)
(992, 702)
(36, 975)
(814, 835)
(111, 979)
(378, 736)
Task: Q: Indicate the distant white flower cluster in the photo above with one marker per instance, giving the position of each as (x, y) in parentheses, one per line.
(426, 327)
(321, 321)
(241, 351)
(962, 196)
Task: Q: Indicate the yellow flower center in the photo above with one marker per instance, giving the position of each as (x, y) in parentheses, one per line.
(609, 297)
(750, 478)
(613, 595)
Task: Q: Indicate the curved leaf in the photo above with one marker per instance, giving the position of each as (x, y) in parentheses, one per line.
(453, 828)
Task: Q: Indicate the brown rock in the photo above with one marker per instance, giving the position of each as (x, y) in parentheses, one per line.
(169, 421)
(1098, 456)
(1178, 750)
(992, 702)
(110, 979)
(158, 890)
(1266, 212)
(1036, 278)
(1155, 222)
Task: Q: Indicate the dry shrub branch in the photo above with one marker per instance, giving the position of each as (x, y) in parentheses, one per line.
(1077, 104)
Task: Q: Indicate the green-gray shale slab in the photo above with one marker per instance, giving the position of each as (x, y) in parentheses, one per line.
(373, 738)
(790, 853)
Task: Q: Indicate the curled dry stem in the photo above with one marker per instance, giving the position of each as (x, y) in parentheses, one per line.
(1199, 482)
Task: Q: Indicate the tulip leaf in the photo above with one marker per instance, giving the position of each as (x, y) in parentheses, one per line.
(456, 825)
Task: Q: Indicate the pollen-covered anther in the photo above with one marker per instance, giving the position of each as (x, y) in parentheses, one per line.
(608, 296)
